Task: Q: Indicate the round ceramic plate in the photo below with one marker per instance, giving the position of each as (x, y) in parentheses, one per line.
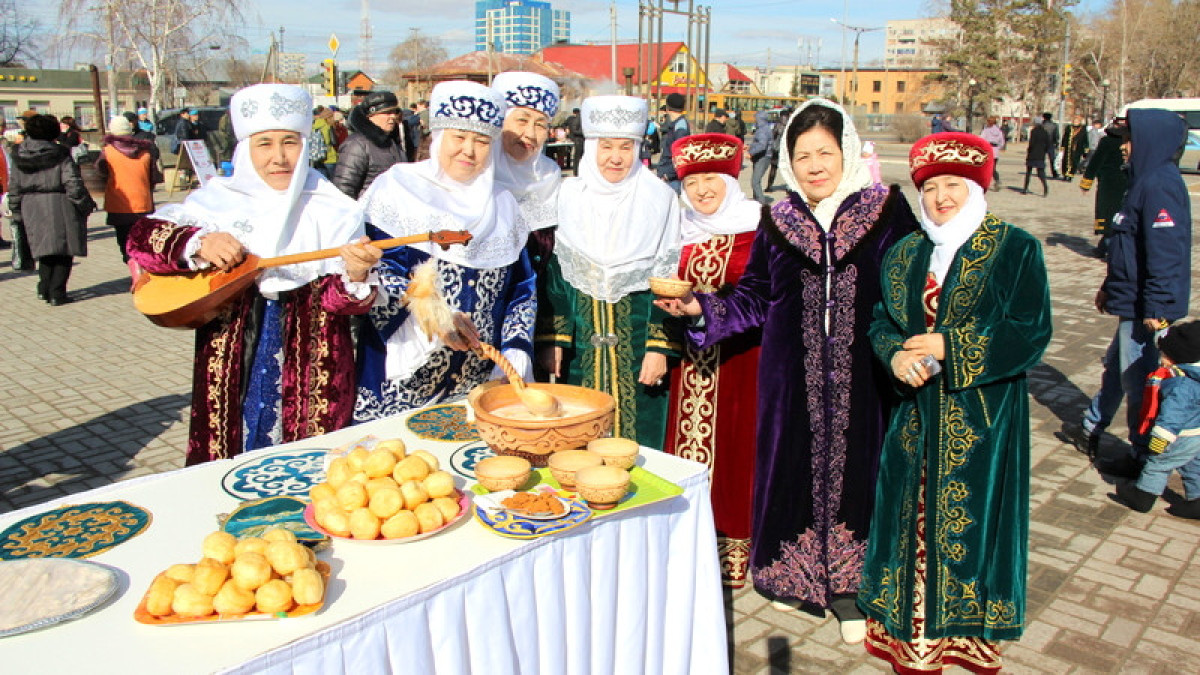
(464, 505)
(41, 592)
(253, 518)
(283, 473)
(78, 531)
(493, 501)
(446, 422)
(508, 524)
(465, 458)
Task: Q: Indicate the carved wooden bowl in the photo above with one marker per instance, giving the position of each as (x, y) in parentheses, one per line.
(537, 439)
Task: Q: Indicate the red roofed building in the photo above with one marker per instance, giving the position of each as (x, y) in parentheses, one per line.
(737, 82)
(668, 67)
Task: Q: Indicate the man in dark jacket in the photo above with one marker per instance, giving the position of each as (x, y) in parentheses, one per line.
(1051, 129)
(1035, 157)
(1149, 266)
(717, 124)
(1105, 166)
(675, 129)
(574, 126)
(412, 132)
(375, 143)
(762, 153)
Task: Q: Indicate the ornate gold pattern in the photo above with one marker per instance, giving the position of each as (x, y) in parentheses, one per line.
(220, 383)
(969, 349)
(159, 237)
(707, 150)
(318, 366)
(701, 369)
(948, 151)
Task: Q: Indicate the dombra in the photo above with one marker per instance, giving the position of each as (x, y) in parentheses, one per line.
(192, 299)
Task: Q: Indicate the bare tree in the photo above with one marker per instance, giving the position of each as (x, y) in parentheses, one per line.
(17, 35)
(153, 35)
(1144, 48)
(414, 58)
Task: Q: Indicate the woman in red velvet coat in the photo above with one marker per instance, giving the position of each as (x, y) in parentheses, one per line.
(714, 391)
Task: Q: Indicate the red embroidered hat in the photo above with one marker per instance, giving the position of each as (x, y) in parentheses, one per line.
(952, 152)
(707, 153)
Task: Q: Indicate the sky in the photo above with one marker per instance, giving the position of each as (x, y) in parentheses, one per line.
(745, 33)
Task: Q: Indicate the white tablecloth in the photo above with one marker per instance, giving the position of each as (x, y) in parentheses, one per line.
(633, 592)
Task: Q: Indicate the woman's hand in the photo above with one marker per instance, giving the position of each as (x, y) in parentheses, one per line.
(654, 367)
(221, 250)
(927, 343)
(465, 335)
(906, 367)
(360, 256)
(550, 360)
(688, 305)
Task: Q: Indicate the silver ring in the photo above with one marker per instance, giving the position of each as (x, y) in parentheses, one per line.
(659, 383)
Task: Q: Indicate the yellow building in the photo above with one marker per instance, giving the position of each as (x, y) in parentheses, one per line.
(887, 92)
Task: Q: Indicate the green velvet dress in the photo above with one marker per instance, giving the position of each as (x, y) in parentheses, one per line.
(603, 347)
(958, 447)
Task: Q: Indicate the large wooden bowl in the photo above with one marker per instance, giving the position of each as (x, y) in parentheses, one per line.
(536, 439)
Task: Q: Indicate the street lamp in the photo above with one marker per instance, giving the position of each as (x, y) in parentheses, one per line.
(858, 31)
(970, 102)
(627, 71)
(1104, 84)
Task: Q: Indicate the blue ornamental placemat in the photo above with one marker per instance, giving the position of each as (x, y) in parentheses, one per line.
(79, 531)
(255, 517)
(446, 422)
(464, 459)
(284, 473)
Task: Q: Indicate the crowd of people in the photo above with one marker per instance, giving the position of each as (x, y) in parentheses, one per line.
(850, 369)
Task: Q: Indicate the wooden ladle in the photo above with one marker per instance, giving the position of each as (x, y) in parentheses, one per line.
(540, 403)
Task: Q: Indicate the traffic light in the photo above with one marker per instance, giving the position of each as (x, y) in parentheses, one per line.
(1066, 80)
(329, 76)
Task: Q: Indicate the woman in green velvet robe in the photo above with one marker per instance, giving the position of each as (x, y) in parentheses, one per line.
(944, 576)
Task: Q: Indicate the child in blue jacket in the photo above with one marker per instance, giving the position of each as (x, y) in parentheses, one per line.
(1175, 436)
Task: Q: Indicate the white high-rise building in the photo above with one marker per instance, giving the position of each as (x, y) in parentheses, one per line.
(911, 43)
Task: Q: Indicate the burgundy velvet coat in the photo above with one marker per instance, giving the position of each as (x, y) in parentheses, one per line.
(318, 368)
(821, 407)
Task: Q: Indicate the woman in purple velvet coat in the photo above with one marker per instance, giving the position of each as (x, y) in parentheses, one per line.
(277, 365)
(811, 284)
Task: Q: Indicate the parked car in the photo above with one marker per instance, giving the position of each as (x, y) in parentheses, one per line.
(1190, 161)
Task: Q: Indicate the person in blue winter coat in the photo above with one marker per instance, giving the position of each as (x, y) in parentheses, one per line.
(675, 128)
(762, 153)
(1175, 435)
(1149, 267)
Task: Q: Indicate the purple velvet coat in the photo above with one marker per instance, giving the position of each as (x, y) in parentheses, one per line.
(821, 411)
(318, 355)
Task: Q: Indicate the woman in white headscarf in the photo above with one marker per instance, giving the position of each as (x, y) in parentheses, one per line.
(277, 364)
(618, 225)
(810, 286)
(488, 282)
(523, 169)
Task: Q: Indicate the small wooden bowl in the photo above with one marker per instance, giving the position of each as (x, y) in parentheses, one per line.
(503, 473)
(619, 452)
(565, 463)
(669, 288)
(537, 439)
(602, 486)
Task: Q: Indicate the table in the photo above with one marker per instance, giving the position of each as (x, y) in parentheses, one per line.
(633, 592)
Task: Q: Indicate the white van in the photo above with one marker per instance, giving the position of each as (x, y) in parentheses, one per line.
(1189, 109)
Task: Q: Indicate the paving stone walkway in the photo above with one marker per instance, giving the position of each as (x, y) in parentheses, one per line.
(92, 393)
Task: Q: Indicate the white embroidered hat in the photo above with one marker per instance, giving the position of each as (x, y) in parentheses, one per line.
(614, 117)
(528, 90)
(466, 105)
(270, 107)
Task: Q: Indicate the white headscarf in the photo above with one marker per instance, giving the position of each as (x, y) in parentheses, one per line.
(948, 238)
(735, 215)
(417, 198)
(612, 237)
(534, 183)
(855, 173)
(309, 215)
